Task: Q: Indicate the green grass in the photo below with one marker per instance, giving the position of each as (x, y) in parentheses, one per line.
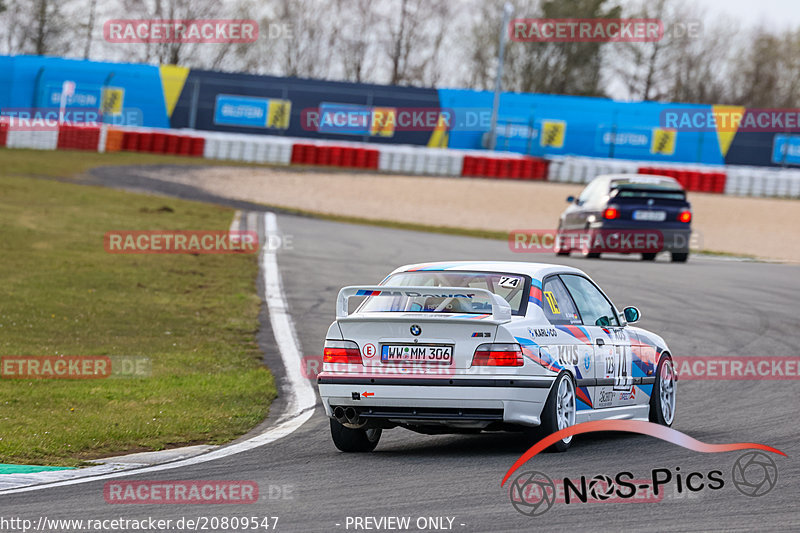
(68, 163)
(193, 316)
(728, 254)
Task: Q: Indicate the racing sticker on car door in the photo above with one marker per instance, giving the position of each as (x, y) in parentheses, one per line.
(623, 388)
(623, 379)
(615, 371)
(575, 357)
(605, 357)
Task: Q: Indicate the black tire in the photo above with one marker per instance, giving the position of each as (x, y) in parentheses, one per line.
(679, 257)
(549, 417)
(587, 251)
(648, 256)
(656, 405)
(560, 251)
(354, 440)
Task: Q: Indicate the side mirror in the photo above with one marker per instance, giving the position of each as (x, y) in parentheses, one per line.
(631, 314)
(570, 199)
(603, 322)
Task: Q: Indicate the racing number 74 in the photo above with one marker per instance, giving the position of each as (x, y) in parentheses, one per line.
(622, 375)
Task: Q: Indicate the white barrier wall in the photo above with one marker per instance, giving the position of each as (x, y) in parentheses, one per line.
(410, 160)
(37, 140)
(248, 148)
(417, 160)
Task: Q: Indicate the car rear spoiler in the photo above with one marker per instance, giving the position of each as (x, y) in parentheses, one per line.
(501, 310)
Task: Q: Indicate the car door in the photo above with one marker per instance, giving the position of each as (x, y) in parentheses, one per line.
(613, 358)
(571, 346)
(575, 215)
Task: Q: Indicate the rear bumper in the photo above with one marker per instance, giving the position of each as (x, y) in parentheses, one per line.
(450, 401)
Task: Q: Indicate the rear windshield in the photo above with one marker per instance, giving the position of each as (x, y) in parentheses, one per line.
(665, 193)
(512, 287)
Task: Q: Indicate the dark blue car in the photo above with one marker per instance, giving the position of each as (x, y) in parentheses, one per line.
(627, 213)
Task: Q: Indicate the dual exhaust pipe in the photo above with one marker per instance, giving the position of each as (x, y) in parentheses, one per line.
(346, 415)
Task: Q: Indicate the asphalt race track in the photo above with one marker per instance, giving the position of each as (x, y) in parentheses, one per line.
(708, 307)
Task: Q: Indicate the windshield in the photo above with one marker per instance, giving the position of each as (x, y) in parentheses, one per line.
(512, 287)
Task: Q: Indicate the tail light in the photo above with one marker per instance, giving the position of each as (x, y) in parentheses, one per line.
(611, 213)
(496, 354)
(341, 352)
(685, 216)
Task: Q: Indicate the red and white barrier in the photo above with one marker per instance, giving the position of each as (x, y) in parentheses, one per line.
(691, 179)
(585, 169)
(400, 159)
(37, 140)
(248, 148)
(491, 165)
(3, 132)
(335, 155)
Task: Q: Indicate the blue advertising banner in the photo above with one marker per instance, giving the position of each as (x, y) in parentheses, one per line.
(126, 94)
(251, 112)
(86, 95)
(634, 142)
(786, 149)
(548, 124)
(245, 111)
(344, 119)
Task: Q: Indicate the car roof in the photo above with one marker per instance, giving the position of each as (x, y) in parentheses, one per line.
(534, 270)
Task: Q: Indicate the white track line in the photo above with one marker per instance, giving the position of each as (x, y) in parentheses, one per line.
(301, 397)
(282, 325)
(236, 222)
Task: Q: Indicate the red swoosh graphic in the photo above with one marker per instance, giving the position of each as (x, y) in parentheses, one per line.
(635, 426)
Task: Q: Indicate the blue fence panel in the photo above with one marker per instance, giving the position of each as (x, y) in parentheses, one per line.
(539, 124)
(35, 82)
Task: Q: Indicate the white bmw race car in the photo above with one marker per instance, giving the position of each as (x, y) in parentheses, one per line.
(486, 346)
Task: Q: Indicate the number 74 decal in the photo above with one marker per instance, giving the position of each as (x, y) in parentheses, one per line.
(621, 367)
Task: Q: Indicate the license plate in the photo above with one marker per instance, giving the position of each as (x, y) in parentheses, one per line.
(416, 354)
(654, 216)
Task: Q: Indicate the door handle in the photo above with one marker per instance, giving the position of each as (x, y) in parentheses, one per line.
(601, 342)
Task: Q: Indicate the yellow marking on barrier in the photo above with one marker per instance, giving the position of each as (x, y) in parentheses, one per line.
(440, 136)
(111, 100)
(726, 120)
(279, 113)
(663, 141)
(384, 120)
(553, 133)
(173, 78)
